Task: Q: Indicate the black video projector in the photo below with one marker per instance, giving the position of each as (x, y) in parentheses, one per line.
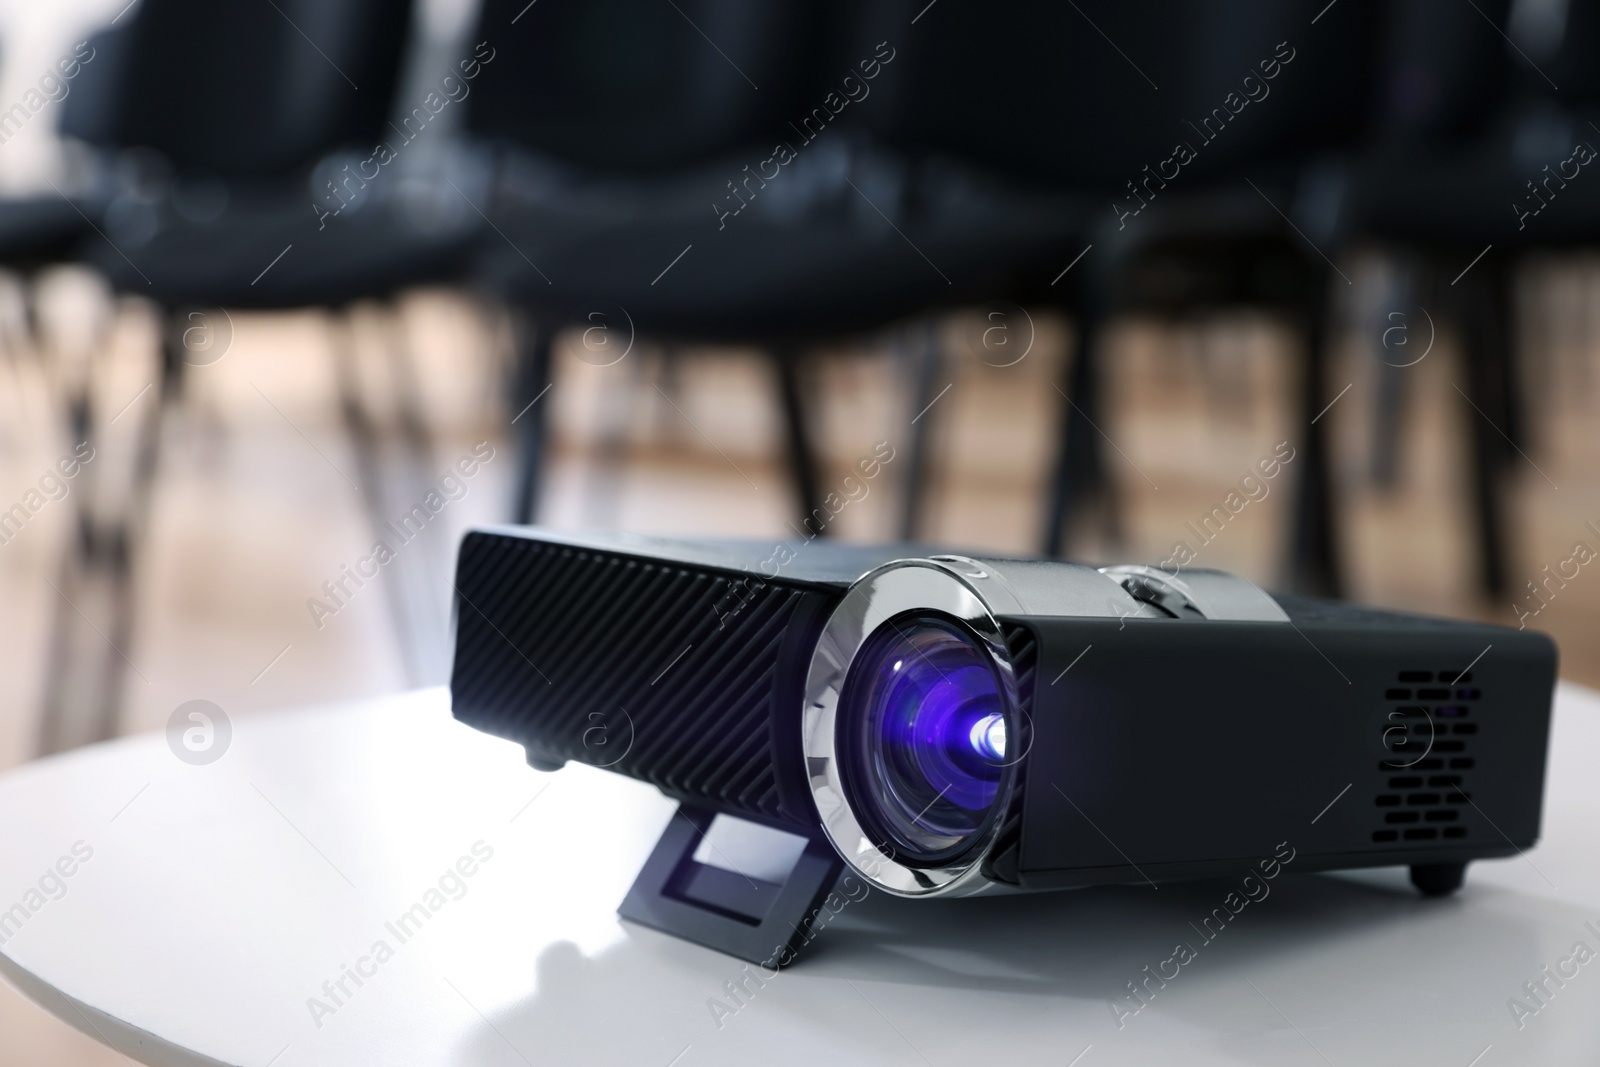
(944, 724)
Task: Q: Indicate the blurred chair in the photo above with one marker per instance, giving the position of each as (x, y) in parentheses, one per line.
(228, 129)
(1091, 101)
(594, 113)
(1476, 169)
(660, 189)
(44, 229)
(212, 122)
(40, 229)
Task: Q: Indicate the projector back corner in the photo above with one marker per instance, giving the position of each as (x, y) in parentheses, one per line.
(1350, 737)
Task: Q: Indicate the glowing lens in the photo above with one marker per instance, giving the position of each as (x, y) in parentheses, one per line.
(988, 737)
(923, 731)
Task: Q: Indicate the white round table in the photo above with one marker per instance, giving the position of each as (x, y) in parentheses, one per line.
(376, 884)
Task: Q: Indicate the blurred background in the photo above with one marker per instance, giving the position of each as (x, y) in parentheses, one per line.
(1298, 290)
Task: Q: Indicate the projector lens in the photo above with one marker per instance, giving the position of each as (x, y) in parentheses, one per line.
(923, 732)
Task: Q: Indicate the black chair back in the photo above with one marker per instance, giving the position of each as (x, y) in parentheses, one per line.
(641, 86)
(1445, 69)
(1575, 63)
(1088, 93)
(255, 88)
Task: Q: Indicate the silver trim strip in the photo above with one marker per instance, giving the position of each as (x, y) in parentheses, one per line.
(1210, 594)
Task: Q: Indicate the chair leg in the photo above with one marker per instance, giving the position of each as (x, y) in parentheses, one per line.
(802, 457)
(421, 580)
(615, 421)
(925, 360)
(88, 666)
(1080, 473)
(1507, 380)
(1314, 556)
(1484, 310)
(14, 340)
(366, 444)
(1394, 366)
(81, 700)
(411, 406)
(535, 345)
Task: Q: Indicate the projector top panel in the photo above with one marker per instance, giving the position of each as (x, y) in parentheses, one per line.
(814, 562)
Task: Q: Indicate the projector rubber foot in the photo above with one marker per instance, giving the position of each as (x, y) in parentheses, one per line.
(1438, 879)
(753, 920)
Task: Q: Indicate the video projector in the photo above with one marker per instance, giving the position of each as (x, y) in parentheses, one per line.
(948, 724)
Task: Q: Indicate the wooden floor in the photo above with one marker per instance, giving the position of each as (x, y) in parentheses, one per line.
(257, 506)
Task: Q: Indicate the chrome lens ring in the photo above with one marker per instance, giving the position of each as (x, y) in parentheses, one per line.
(938, 588)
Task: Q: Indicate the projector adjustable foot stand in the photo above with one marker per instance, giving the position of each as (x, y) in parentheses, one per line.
(754, 920)
(1438, 879)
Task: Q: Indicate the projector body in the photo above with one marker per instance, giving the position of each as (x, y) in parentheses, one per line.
(1066, 726)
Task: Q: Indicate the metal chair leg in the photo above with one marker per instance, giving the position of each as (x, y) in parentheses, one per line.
(1486, 344)
(1394, 366)
(1080, 475)
(1313, 553)
(88, 665)
(425, 578)
(535, 345)
(802, 457)
(925, 362)
(367, 446)
(615, 422)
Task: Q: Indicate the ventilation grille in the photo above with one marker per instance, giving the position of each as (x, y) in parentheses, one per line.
(659, 671)
(1024, 652)
(1430, 732)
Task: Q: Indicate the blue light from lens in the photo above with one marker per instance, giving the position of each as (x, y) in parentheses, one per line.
(988, 737)
(925, 728)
